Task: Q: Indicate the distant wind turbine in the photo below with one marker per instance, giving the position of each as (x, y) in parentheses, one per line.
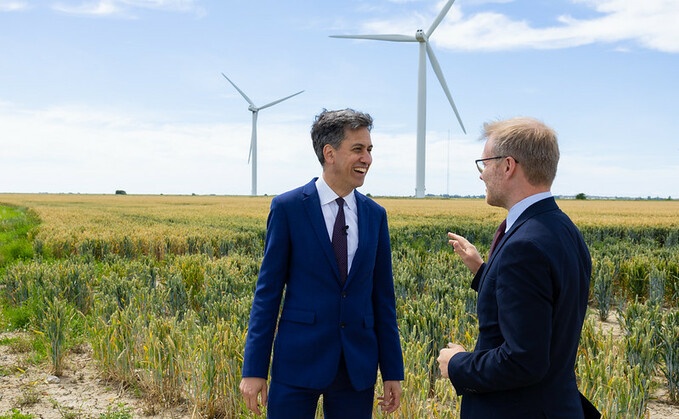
(423, 39)
(253, 141)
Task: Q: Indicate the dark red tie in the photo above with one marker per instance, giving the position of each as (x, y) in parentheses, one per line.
(339, 240)
(499, 234)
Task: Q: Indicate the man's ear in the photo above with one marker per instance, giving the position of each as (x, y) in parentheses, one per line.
(510, 166)
(329, 153)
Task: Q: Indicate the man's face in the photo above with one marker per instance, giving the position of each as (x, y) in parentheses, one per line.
(492, 176)
(351, 161)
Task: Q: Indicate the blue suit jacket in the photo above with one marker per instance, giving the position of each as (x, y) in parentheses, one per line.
(320, 318)
(532, 298)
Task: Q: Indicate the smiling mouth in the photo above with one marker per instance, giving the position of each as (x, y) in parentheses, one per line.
(362, 170)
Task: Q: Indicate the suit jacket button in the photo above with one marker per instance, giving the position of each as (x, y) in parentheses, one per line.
(342, 325)
(344, 295)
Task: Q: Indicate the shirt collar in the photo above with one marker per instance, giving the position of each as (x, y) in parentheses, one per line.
(518, 208)
(326, 195)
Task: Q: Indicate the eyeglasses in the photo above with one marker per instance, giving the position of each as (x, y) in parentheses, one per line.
(481, 163)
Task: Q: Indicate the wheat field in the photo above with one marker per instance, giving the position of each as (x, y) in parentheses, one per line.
(165, 285)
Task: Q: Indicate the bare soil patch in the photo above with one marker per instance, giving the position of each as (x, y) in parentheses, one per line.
(83, 393)
(80, 393)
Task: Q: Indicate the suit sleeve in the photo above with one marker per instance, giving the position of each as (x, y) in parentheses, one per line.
(270, 283)
(524, 299)
(384, 305)
(478, 276)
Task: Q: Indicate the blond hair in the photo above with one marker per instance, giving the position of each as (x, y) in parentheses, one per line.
(530, 142)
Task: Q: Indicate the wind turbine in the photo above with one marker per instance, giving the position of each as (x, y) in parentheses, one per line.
(425, 49)
(253, 141)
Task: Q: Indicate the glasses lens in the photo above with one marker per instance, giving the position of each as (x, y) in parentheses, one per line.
(480, 165)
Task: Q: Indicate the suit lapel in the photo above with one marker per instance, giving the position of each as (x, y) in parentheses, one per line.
(363, 216)
(312, 205)
(548, 204)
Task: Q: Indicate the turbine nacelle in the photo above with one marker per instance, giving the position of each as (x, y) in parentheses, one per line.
(420, 36)
(252, 108)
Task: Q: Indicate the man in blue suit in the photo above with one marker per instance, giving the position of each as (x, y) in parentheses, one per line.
(327, 249)
(532, 291)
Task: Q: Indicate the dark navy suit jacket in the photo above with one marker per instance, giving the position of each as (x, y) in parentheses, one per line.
(320, 318)
(532, 298)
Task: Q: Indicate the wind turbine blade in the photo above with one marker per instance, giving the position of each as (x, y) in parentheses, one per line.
(439, 18)
(250, 153)
(239, 91)
(439, 74)
(393, 38)
(279, 100)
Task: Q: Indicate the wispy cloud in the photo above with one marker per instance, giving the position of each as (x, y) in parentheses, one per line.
(75, 148)
(650, 24)
(99, 8)
(477, 2)
(126, 8)
(78, 148)
(13, 6)
(404, 1)
(174, 5)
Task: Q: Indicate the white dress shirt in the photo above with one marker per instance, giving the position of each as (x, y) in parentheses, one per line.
(329, 207)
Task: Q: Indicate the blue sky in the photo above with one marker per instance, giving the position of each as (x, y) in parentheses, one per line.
(99, 95)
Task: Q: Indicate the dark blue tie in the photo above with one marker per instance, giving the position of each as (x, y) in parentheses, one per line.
(499, 234)
(339, 240)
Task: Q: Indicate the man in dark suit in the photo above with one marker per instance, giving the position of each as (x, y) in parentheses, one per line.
(532, 291)
(327, 248)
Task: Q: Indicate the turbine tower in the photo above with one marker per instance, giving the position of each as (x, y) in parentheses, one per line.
(425, 49)
(253, 141)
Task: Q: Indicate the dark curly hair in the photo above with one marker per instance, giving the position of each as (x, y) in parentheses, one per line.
(329, 126)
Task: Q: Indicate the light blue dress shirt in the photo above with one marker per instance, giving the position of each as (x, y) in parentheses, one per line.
(518, 208)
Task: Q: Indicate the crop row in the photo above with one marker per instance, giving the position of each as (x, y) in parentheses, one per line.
(164, 286)
(176, 329)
